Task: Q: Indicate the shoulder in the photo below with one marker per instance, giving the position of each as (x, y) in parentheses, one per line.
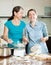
(41, 23)
(8, 22)
(27, 25)
(23, 23)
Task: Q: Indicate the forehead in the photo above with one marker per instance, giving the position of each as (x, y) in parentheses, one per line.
(31, 12)
(20, 9)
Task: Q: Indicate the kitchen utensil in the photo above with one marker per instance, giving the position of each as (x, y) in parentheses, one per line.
(5, 51)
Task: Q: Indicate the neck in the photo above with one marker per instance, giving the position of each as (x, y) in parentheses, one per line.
(16, 19)
(32, 23)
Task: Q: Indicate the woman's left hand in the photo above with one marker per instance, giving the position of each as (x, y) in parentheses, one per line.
(44, 39)
(25, 39)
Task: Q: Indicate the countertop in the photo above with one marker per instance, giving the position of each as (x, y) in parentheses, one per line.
(13, 60)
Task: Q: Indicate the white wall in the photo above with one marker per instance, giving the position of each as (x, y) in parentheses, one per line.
(2, 21)
(7, 5)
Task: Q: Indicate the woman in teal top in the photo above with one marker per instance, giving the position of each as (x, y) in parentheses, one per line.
(15, 32)
(13, 29)
(35, 33)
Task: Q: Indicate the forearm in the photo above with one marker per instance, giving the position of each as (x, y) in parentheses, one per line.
(5, 38)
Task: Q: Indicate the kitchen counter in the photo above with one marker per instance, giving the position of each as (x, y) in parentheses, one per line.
(26, 60)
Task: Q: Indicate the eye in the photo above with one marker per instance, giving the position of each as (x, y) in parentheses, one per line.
(33, 14)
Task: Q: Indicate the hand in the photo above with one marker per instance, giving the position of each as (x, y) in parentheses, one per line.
(9, 41)
(43, 39)
(24, 43)
(25, 39)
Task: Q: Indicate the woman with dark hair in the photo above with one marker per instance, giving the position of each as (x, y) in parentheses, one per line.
(13, 28)
(35, 33)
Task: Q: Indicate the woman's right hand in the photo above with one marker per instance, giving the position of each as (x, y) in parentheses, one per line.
(25, 39)
(9, 41)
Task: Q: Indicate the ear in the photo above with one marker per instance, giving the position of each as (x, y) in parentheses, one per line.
(15, 13)
(36, 16)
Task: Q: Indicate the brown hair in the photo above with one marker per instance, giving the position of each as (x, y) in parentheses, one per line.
(15, 9)
(30, 10)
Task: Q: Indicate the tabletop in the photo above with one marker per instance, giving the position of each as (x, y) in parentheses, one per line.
(26, 60)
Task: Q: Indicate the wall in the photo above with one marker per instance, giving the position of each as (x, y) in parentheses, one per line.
(7, 5)
(2, 21)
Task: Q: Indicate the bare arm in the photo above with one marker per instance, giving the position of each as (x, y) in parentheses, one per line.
(5, 35)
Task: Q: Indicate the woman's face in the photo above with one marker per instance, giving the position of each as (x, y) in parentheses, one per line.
(19, 14)
(32, 16)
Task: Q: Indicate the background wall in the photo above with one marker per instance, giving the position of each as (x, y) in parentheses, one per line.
(7, 5)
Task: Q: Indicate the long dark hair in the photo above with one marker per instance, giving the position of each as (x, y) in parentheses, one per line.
(15, 9)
